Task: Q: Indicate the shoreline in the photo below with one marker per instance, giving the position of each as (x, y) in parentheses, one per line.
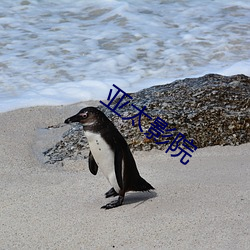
(203, 204)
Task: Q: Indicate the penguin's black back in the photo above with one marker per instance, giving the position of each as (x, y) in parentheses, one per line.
(132, 180)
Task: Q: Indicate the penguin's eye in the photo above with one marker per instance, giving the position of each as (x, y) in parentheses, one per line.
(84, 115)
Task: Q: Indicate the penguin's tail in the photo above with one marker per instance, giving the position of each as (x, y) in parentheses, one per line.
(141, 185)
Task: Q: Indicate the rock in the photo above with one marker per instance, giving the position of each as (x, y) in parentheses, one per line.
(211, 110)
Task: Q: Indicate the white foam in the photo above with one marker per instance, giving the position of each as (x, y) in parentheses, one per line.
(242, 67)
(63, 52)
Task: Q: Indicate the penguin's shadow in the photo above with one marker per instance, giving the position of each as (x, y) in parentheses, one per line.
(137, 198)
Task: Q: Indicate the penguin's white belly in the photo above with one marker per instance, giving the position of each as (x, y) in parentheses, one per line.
(104, 157)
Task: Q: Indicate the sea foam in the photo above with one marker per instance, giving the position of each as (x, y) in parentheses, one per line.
(63, 52)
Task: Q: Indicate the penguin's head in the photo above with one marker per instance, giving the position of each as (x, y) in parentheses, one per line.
(89, 116)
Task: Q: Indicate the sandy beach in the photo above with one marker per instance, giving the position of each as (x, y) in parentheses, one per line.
(203, 205)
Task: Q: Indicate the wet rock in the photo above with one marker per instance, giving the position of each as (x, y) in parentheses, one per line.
(211, 110)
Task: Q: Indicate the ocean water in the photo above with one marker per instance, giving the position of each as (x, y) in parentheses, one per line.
(61, 52)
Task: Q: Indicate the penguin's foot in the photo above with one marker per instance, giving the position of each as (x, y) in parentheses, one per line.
(113, 204)
(111, 193)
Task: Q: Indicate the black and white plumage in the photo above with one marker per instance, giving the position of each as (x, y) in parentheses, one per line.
(110, 152)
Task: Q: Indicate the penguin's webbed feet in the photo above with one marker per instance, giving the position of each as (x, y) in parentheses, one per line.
(111, 193)
(113, 204)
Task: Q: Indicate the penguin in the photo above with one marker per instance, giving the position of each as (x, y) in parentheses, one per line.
(110, 152)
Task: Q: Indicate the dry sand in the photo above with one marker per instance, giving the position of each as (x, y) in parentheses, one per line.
(203, 205)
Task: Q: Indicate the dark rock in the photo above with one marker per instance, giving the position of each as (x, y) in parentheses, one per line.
(211, 110)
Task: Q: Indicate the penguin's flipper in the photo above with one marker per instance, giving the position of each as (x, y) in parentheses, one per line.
(118, 166)
(113, 204)
(93, 167)
(111, 193)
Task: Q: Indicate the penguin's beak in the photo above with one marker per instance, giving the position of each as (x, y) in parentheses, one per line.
(74, 118)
